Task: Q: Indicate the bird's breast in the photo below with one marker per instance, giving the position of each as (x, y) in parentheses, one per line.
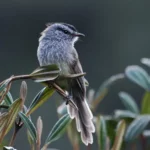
(56, 54)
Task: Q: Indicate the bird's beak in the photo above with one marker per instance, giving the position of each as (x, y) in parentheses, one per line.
(79, 34)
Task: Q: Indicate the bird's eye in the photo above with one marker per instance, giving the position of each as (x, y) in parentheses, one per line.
(66, 32)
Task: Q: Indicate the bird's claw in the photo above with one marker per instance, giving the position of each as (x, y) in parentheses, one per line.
(70, 101)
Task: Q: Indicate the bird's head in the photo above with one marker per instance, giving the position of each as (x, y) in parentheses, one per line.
(61, 32)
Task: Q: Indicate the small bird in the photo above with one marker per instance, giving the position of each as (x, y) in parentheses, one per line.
(56, 46)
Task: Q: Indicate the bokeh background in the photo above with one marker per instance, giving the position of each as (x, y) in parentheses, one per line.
(117, 35)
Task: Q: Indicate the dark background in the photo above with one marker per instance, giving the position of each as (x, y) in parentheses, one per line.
(117, 35)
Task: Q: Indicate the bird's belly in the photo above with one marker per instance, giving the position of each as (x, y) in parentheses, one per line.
(65, 69)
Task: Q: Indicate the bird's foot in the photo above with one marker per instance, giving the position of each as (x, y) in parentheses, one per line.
(68, 99)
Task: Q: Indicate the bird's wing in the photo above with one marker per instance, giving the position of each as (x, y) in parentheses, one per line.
(77, 68)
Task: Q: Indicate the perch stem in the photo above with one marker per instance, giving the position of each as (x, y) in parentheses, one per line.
(18, 126)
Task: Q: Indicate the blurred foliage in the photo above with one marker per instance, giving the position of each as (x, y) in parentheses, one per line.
(113, 132)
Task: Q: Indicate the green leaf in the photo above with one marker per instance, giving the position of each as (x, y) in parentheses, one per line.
(29, 125)
(4, 84)
(146, 103)
(146, 61)
(103, 89)
(139, 76)
(8, 148)
(8, 99)
(7, 119)
(122, 114)
(45, 73)
(31, 140)
(58, 129)
(111, 124)
(40, 98)
(119, 135)
(136, 127)
(73, 135)
(62, 109)
(129, 102)
(146, 133)
(101, 132)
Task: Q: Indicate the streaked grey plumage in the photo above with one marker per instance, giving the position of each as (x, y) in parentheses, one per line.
(56, 46)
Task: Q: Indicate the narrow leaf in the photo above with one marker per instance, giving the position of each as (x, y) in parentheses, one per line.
(31, 140)
(146, 103)
(9, 117)
(129, 102)
(23, 90)
(122, 114)
(136, 127)
(58, 129)
(62, 109)
(39, 128)
(45, 73)
(40, 98)
(146, 61)
(101, 132)
(119, 135)
(8, 148)
(4, 84)
(29, 124)
(139, 76)
(8, 99)
(103, 89)
(73, 135)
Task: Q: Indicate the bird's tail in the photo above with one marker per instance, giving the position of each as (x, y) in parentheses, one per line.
(83, 117)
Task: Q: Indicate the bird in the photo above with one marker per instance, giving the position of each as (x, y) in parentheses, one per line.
(57, 46)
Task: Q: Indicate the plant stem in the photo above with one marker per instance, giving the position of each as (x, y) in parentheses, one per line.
(143, 140)
(18, 126)
(89, 147)
(76, 147)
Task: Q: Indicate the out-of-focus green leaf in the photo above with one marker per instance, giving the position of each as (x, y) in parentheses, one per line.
(111, 124)
(58, 130)
(90, 96)
(7, 120)
(129, 102)
(139, 76)
(146, 103)
(122, 114)
(62, 109)
(146, 61)
(146, 133)
(40, 98)
(45, 73)
(101, 131)
(52, 149)
(4, 106)
(8, 148)
(29, 124)
(73, 135)
(136, 127)
(103, 89)
(119, 135)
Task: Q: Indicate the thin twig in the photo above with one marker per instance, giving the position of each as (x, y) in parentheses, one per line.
(61, 92)
(89, 147)
(143, 141)
(18, 126)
